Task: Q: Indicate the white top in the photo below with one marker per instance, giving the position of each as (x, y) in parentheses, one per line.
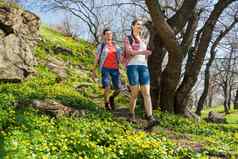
(139, 59)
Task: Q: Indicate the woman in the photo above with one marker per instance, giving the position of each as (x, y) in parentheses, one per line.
(137, 71)
(108, 57)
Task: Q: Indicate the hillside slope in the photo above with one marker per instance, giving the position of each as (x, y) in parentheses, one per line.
(63, 74)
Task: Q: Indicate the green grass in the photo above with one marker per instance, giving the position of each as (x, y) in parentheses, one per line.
(29, 133)
(9, 4)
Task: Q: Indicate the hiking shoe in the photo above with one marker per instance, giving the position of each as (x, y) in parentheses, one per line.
(111, 101)
(151, 123)
(132, 118)
(128, 88)
(107, 106)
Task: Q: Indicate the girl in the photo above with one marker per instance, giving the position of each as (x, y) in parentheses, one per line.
(137, 71)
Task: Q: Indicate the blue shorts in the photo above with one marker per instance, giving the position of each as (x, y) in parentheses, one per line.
(138, 75)
(115, 77)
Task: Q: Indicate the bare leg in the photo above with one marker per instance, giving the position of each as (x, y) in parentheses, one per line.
(145, 90)
(133, 98)
(115, 93)
(106, 96)
(111, 98)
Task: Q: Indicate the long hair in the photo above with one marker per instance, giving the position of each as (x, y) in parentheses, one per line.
(132, 33)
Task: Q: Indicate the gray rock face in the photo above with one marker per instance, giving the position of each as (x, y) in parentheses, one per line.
(58, 67)
(18, 37)
(57, 109)
(216, 117)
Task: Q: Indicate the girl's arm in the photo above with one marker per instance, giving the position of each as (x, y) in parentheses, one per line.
(132, 52)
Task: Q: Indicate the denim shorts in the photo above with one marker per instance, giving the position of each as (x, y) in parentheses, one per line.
(115, 77)
(138, 75)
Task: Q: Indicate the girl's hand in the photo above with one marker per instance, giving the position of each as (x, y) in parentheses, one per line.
(147, 52)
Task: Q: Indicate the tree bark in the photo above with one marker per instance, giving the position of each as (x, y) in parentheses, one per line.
(178, 21)
(193, 70)
(170, 81)
(236, 100)
(206, 87)
(155, 66)
(229, 98)
(226, 110)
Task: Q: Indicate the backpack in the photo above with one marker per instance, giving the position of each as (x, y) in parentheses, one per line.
(125, 56)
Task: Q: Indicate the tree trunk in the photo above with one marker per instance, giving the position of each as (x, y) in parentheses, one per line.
(206, 87)
(229, 98)
(169, 81)
(236, 100)
(155, 66)
(226, 110)
(180, 98)
(168, 95)
(210, 99)
(225, 98)
(192, 71)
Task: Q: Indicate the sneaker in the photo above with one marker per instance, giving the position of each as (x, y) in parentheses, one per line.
(128, 88)
(151, 123)
(107, 106)
(111, 101)
(132, 118)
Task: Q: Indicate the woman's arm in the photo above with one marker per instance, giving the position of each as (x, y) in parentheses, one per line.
(132, 52)
(96, 60)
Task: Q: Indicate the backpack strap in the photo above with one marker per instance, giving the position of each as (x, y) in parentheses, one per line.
(125, 56)
(100, 53)
(130, 39)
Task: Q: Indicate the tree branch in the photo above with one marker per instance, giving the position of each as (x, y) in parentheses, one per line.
(162, 27)
(179, 20)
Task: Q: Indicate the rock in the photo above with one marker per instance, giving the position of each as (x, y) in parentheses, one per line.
(189, 114)
(58, 67)
(65, 51)
(215, 118)
(190, 102)
(57, 109)
(19, 34)
(81, 86)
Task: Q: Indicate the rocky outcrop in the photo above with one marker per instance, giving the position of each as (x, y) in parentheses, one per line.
(18, 37)
(58, 67)
(57, 109)
(215, 118)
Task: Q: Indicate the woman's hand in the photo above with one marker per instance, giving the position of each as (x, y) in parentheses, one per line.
(147, 52)
(94, 75)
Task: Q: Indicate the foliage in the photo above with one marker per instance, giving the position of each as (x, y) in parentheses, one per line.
(29, 133)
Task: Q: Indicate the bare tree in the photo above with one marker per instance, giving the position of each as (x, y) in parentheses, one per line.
(66, 27)
(208, 65)
(226, 76)
(86, 11)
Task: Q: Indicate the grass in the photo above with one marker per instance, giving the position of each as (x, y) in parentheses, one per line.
(9, 4)
(29, 133)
